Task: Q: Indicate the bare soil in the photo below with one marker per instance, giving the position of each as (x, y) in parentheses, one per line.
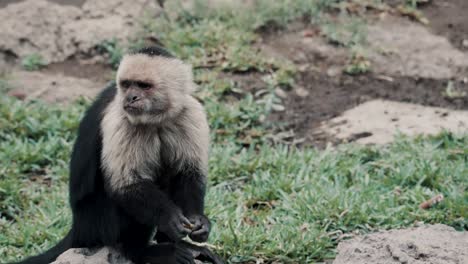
(94, 71)
(331, 96)
(416, 67)
(77, 3)
(417, 70)
(448, 18)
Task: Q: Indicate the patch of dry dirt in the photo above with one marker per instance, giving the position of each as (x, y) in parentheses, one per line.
(377, 121)
(76, 3)
(54, 88)
(323, 92)
(91, 70)
(308, 53)
(436, 244)
(319, 97)
(404, 48)
(448, 18)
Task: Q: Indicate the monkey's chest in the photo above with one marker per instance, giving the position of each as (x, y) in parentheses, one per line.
(129, 157)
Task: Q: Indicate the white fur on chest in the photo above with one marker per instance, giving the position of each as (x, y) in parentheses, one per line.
(127, 155)
(130, 154)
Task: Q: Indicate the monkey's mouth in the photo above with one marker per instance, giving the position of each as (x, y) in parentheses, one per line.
(133, 109)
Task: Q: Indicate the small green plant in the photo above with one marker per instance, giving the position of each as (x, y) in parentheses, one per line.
(113, 50)
(4, 86)
(33, 62)
(358, 64)
(348, 32)
(452, 92)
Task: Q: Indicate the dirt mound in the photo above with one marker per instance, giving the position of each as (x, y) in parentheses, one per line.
(410, 64)
(448, 18)
(58, 31)
(54, 88)
(377, 121)
(401, 47)
(436, 244)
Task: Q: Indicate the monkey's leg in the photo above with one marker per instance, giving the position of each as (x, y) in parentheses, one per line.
(202, 253)
(167, 253)
(135, 245)
(162, 238)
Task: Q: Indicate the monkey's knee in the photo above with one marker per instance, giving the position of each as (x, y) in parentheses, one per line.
(160, 237)
(169, 253)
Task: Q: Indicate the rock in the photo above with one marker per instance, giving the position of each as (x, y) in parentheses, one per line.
(103, 255)
(301, 91)
(91, 256)
(280, 93)
(334, 71)
(57, 32)
(377, 121)
(278, 108)
(431, 244)
(465, 43)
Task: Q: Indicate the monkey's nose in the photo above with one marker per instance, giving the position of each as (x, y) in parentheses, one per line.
(132, 98)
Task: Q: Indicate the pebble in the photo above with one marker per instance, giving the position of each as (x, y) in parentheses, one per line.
(301, 92)
(465, 43)
(280, 93)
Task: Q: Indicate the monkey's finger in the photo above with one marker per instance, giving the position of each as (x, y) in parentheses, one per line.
(203, 229)
(184, 230)
(197, 226)
(185, 221)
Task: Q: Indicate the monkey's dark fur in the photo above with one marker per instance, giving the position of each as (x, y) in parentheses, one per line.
(124, 211)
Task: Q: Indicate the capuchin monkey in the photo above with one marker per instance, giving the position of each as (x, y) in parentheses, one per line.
(139, 166)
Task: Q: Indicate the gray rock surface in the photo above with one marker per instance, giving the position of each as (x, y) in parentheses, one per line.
(91, 256)
(58, 32)
(103, 255)
(434, 244)
(381, 120)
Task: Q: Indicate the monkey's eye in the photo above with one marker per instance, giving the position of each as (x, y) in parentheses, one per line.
(144, 85)
(125, 84)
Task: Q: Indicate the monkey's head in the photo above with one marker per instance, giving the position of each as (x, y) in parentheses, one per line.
(153, 85)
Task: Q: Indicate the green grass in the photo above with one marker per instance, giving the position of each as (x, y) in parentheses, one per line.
(33, 62)
(267, 202)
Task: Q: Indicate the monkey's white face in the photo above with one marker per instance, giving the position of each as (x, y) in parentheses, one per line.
(151, 88)
(142, 98)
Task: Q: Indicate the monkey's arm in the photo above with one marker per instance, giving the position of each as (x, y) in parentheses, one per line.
(190, 196)
(150, 206)
(85, 171)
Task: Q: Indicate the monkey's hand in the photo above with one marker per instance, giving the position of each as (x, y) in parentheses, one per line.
(174, 224)
(201, 228)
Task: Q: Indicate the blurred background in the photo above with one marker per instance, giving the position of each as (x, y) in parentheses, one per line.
(316, 107)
